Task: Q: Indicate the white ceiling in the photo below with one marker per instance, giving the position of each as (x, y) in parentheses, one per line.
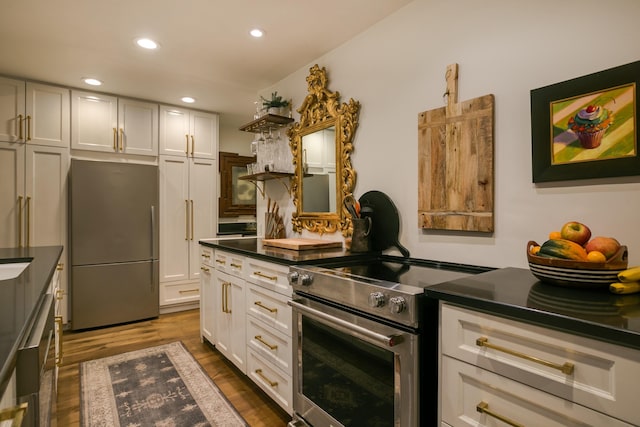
(205, 49)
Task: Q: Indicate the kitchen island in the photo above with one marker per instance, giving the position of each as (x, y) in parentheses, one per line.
(19, 299)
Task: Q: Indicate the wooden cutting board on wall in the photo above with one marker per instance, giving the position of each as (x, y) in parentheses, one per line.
(455, 163)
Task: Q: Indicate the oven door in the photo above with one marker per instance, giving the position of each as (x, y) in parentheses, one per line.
(352, 371)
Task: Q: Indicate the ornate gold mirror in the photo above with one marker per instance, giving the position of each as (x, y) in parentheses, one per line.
(321, 143)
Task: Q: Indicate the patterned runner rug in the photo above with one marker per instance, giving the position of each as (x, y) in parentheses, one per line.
(161, 386)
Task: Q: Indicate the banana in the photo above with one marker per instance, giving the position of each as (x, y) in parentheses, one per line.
(625, 288)
(629, 275)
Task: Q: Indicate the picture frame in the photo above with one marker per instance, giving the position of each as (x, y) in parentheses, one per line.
(586, 127)
(237, 196)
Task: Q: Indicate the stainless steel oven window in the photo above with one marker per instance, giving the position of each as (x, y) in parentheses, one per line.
(352, 371)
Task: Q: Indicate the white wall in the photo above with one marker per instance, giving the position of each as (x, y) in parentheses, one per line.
(396, 70)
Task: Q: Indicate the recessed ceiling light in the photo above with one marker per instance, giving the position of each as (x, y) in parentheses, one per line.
(188, 99)
(257, 33)
(147, 43)
(91, 81)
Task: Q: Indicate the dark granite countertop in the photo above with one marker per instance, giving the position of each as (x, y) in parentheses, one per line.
(515, 293)
(253, 247)
(19, 299)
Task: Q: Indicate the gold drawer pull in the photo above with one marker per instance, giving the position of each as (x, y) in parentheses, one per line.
(16, 414)
(236, 265)
(483, 408)
(270, 310)
(206, 256)
(261, 375)
(60, 267)
(566, 368)
(186, 291)
(59, 294)
(59, 332)
(257, 273)
(205, 269)
(271, 346)
(221, 261)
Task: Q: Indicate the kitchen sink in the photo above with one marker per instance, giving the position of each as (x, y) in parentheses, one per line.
(11, 270)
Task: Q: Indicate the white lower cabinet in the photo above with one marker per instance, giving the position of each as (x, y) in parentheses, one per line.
(244, 312)
(230, 318)
(497, 371)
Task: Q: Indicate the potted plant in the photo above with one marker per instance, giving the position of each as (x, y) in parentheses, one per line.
(275, 105)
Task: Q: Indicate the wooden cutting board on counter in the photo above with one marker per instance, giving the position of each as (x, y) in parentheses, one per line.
(301, 244)
(455, 163)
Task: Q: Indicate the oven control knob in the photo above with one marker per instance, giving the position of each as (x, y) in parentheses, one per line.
(376, 299)
(397, 304)
(305, 279)
(293, 277)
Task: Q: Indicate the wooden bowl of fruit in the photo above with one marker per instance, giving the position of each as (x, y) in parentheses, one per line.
(546, 262)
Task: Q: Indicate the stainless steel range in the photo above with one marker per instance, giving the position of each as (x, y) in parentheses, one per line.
(362, 333)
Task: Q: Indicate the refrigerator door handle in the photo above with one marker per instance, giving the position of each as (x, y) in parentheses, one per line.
(153, 232)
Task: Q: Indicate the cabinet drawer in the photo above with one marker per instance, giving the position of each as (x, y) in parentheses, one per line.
(206, 256)
(271, 380)
(268, 275)
(589, 372)
(180, 293)
(270, 307)
(467, 387)
(272, 345)
(229, 263)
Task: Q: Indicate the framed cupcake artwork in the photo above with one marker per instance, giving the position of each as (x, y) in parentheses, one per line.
(586, 127)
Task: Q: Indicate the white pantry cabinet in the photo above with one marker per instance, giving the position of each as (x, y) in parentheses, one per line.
(34, 113)
(188, 133)
(113, 125)
(33, 200)
(188, 212)
(495, 368)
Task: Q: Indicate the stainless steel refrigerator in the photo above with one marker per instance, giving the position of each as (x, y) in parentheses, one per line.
(113, 243)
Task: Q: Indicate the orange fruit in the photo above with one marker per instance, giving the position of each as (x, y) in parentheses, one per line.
(535, 250)
(596, 256)
(554, 235)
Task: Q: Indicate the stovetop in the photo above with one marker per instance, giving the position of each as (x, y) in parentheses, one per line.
(387, 287)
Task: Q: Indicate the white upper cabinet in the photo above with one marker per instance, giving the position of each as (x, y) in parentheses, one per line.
(114, 125)
(48, 115)
(34, 113)
(188, 133)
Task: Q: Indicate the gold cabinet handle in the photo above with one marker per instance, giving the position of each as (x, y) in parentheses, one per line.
(27, 237)
(205, 269)
(59, 294)
(115, 139)
(193, 146)
(28, 128)
(483, 408)
(270, 310)
(221, 261)
(59, 356)
(186, 150)
(206, 256)
(236, 265)
(261, 375)
(20, 133)
(271, 346)
(566, 368)
(225, 297)
(186, 219)
(15, 413)
(60, 266)
(188, 291)
(222, 297)
(260, 274)
(192, 221)
(19, 221)
(121, 139)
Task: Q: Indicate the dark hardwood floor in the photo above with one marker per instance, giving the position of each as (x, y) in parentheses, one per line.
(256, 408)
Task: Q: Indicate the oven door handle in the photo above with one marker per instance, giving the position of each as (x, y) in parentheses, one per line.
(385, 340)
